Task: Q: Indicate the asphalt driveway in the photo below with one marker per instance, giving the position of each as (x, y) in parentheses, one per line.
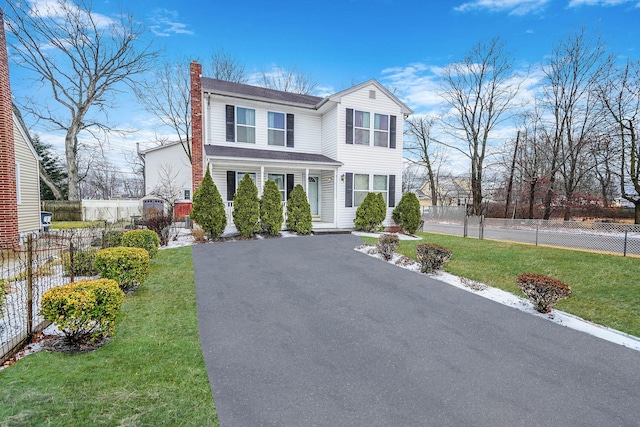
(306, 331)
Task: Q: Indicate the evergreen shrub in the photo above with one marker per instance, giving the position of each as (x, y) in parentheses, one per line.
(299, 211)
(544, 292)
(271, 216)
(208, 208)
(431, 257)
(371, 213)
(407, 213)
(387, 245)
(246, 208)
(145, 239)
(83, 309)
(127, 266)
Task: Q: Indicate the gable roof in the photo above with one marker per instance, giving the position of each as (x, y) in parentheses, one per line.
(239, 90)
(337, 97)
(17, 118)
(258, 93)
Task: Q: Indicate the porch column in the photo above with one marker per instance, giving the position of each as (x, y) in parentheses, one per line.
(306, 182)
(335, 198)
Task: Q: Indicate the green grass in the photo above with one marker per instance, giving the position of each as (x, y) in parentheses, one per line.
(151, 372)
(605, 288)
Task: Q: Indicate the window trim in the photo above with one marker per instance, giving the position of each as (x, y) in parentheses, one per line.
(237, 125)
(283, 190)
(356, 128)
(370, 183)
(283, 129)
(380, 131)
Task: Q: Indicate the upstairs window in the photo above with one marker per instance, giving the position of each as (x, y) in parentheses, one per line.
(359, 128)
(361, 124)
(276, 128)
(245, 125)
(381, 130)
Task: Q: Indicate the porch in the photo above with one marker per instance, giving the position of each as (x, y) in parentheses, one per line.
(317, 222)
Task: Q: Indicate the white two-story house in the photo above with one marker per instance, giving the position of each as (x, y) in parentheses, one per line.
(339, 148)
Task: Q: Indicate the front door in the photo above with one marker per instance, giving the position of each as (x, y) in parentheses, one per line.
(314, 195)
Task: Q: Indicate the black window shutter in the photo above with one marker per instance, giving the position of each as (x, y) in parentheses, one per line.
(349, 129)
(231, 185)
(392, 132)
(289, 184)
(289, 130)
(348, 190)
(392, 190)
(231, 123)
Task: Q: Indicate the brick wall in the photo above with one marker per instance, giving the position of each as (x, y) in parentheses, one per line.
(8, 199)
(197, 159)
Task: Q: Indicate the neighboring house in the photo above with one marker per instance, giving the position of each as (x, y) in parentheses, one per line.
(19, 181)
(27, 163)
(451, 192)
(339, 148)
(167, 172)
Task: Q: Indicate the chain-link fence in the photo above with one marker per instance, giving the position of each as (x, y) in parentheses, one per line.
(615, 238)
(40, 262)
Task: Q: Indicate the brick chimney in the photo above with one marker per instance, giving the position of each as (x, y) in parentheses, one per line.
(197, 147)
(8, 196)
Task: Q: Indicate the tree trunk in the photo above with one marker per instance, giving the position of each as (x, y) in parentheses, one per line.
(637, 212)
(532, 195)
(512, 172)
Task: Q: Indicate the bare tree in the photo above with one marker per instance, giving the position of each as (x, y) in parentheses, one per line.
(82, 57)
(169, 188)
(479, 90)
(620, 95)
(413, 176)
(288, 81)
(421, 146)
(167, 95)
(225, 66)
(571, 74)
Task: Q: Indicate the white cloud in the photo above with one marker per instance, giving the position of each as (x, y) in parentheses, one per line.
(56, 9)
(163, 23)
(513, 7)
(576, 3)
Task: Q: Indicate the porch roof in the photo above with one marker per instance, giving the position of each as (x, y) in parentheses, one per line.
(222, 152)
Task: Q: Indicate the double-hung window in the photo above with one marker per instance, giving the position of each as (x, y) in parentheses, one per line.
(240, 175)
(361, 124)
(363, 185)
(360, 188)
(245, 125)
(278, 178)
(276, 128)
(380, 130)
(380, 185)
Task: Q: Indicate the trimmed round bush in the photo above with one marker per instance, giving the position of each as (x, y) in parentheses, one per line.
(544, 292)
(271, 216)
(145, 239)
(431, 257)
(299, 211)
(407, 213)
(246, 208)
(127, 266)
(83, 309)
(387, 245)
(83, 262)
(208, 208)
(371, 213)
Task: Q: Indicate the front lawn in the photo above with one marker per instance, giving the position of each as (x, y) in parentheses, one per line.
(605, 288)
(151, 372)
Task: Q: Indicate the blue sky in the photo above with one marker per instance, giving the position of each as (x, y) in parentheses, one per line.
(338, 43)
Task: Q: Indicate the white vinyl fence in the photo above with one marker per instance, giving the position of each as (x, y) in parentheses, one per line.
(110, 210)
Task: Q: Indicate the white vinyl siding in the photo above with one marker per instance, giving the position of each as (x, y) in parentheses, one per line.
(307, 128)
(168, 161)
